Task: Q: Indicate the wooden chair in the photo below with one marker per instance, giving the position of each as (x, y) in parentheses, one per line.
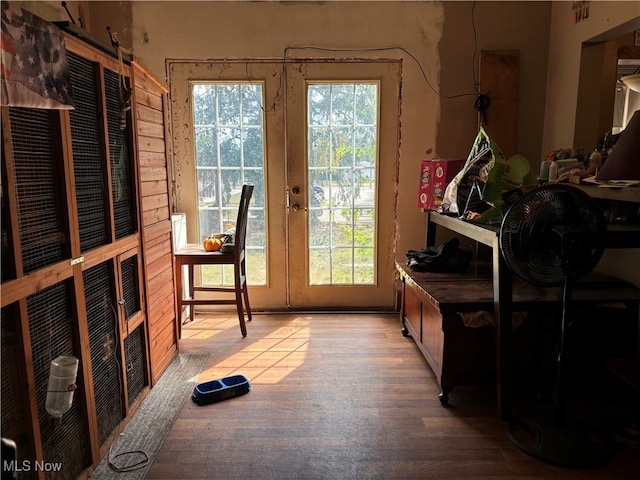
(194, 254)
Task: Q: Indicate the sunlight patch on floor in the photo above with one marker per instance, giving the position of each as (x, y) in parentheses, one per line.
(269, 359)
(205, 328)
(203, 334)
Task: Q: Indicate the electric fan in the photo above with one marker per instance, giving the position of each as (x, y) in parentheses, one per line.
(551, 237)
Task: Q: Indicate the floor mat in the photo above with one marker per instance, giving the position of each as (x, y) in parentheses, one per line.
(133, 452)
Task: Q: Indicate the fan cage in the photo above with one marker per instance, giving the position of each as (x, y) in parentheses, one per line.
(87, 155)
(134, 347)
(42, 232)
(542, 266)
(50, 316)
(104, 345)
(120, 152)
(530, 234)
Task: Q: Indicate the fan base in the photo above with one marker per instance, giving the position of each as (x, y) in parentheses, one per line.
(565, 446)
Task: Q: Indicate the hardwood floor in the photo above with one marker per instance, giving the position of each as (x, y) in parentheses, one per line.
(341, 396)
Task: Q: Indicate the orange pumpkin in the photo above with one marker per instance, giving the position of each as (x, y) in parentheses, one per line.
(212, 244)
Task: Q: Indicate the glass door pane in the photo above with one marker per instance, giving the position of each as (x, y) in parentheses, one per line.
(342, 147)
(342, 153)
(228, 119)
(229, 152)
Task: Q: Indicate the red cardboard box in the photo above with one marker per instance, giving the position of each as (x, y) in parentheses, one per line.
(435, 175)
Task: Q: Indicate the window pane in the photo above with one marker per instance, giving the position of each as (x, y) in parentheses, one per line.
(206, 147)
(252, 148)
(251, 105)
(230, 154)
(209, 222)
(366, 105)
(319, 147)
(342, 146)
(229, 148)
(204, 104)
(342, 165)
(208, 190)
(228, 104)
(365, 146)
(319, 105)
(342, 104)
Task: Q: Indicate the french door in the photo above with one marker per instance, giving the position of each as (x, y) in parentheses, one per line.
(341, 140)
(320, 142)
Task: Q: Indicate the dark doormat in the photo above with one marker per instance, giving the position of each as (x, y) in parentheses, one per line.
(132, 454)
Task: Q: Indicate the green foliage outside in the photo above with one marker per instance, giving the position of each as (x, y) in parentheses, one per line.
(342, 136)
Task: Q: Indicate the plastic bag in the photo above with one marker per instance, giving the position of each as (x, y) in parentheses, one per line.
(487, 184)
(464, 194)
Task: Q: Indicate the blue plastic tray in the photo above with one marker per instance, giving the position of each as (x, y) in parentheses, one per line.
(220, 389)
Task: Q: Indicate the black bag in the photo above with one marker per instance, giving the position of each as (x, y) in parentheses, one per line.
(445, 258)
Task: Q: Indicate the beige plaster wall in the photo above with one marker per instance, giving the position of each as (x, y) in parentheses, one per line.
(522, 26)
(116, 15)
(89, 15)
(607, 20)
(48, 10)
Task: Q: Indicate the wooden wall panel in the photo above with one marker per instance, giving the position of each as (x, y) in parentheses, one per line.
(164, 345)
(154, 187)
(161, 313)
(150, 159)
(151, 144)
(154, 202)
(153, 173)
(155, 207)
(499, 77)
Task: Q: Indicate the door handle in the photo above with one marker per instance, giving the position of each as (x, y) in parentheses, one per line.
(295, 207)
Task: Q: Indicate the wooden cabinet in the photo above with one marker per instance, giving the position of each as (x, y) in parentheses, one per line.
(86, 259)
(430, 314)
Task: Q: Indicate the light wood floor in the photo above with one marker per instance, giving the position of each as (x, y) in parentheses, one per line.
(341, 396)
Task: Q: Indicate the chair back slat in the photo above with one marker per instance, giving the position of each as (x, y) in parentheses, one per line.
(241, 222)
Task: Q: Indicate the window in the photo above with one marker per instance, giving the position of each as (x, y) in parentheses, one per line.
(229, 152)
(342, 142)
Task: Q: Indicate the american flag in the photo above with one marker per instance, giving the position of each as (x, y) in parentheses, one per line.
(35, 71)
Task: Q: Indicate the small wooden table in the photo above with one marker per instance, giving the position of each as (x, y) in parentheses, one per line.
(194, 254)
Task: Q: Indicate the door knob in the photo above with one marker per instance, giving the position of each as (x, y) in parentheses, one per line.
(295, 190)
(295, 207)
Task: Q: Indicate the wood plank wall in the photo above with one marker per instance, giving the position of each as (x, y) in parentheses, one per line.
(499, 77)
(155, 205)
